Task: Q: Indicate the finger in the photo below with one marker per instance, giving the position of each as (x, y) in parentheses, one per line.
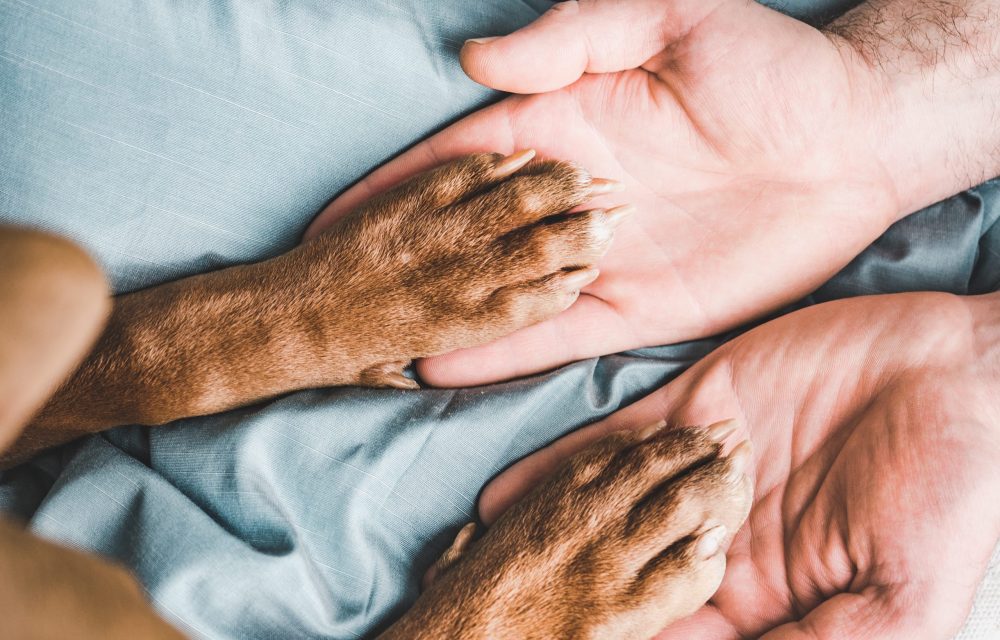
(869, 615)
(681, 577)
(587, 329)
(707, 623)
(658, 462)
(527, 303)
(490, 129)
(718, 486)
(573, 38)
(512, 485)
(464, 177)
(570, 242)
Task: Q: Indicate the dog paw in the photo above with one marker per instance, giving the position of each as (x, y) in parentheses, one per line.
(633, 531)
(464, 254)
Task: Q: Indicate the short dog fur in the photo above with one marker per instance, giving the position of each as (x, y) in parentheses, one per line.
(623, 538)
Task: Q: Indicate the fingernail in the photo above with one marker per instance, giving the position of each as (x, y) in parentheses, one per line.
(482, 40)
(580, 279)
(513, 162)
(600, 186)
(721, 430)
(739, 460)
(651, 430)
(710, 542)
(616, 215)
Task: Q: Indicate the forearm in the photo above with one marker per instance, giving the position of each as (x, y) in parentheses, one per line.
(933, 79)
(197, 346)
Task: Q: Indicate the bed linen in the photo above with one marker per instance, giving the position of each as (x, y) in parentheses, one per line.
(171, 137)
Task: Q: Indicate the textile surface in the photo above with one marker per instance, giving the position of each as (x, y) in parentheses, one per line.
(172, 137)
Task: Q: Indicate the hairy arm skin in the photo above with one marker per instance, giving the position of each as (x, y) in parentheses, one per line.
(934, 72)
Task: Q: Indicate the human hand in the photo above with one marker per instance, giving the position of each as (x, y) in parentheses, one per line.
(762, 155)
(876, 429)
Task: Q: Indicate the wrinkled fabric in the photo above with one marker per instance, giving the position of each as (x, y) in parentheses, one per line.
(171, 137)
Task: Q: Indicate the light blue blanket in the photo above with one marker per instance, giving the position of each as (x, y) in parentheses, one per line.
(172, 137)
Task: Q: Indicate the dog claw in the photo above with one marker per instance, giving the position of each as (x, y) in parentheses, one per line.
(710, 542)
(399, 381)
(448, 559)
(513, 162)
(389, 374)
(600, 186)
(721, 430)
(616, 215)
(739, 459)
(580, 279)
(651, 430)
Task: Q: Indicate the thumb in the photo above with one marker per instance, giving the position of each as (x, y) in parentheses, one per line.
(573, 38)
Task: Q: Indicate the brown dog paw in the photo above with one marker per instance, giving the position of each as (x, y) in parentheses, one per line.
(456, 257)
(626, 537)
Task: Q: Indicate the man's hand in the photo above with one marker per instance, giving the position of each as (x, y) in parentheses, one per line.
(762, 154)
(876, 430)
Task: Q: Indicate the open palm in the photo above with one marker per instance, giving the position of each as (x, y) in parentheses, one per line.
(876, 428)
(742, 135)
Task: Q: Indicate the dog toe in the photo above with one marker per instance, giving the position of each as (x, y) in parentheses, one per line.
(472, 251)
(681, 527)
(540, 190)
(533, 301)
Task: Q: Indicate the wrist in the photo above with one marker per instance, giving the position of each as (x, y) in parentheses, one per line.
(923, 84)
(248, 333)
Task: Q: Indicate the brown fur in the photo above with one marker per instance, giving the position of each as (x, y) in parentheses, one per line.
(613, 545)
(606, 547)
(455, 257)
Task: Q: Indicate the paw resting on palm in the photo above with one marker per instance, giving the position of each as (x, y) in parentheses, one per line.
(631, 530)
(877, 490)
(462, 255)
